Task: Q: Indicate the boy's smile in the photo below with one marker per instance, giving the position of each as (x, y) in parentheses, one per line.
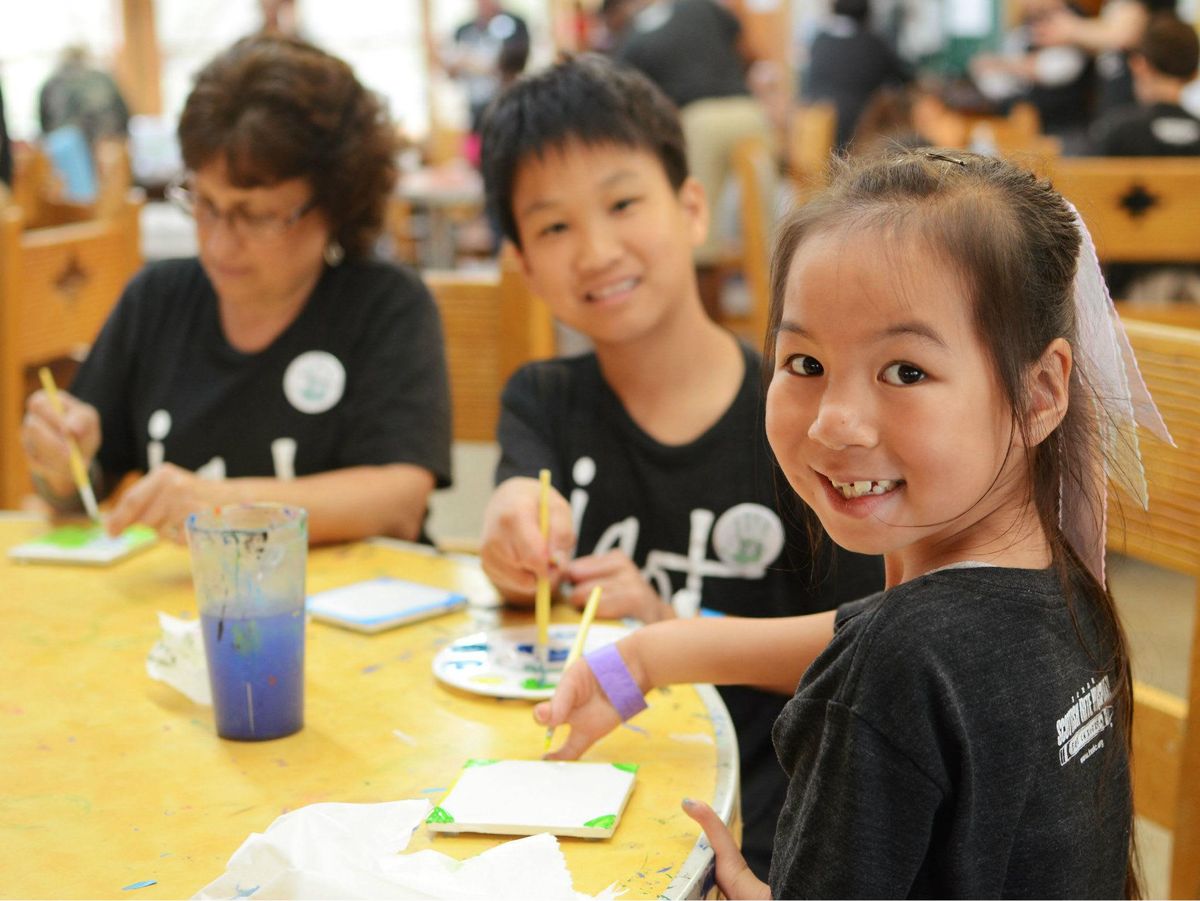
(883, 407)
(605, 240)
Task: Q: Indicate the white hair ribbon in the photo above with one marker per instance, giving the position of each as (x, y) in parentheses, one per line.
(1110, 370)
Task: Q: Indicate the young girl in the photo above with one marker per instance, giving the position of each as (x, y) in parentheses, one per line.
(940, 380)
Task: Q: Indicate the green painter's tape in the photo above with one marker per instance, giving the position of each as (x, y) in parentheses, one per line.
(605, 822)
(627, 767)
(479, 761)
(439, 815)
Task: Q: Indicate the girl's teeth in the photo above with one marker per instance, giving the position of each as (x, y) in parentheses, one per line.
(862, 488)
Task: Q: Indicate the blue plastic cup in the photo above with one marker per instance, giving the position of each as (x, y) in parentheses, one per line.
(248, 566)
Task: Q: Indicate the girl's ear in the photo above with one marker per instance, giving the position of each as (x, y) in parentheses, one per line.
(1049, 386)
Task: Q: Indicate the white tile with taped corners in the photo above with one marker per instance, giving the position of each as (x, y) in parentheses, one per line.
(525, 797)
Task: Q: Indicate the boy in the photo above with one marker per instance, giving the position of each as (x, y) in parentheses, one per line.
(657, 437)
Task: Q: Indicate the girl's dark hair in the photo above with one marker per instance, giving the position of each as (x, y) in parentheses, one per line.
(1014, 242)
(585, 98)
(278, 108)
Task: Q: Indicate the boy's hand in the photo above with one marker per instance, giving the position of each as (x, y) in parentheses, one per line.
(581, 703)
(625, 590)
(44, 438)
(734, 877)
(164, 499)
(513, 552)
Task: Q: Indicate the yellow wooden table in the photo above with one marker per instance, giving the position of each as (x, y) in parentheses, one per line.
(109, 778)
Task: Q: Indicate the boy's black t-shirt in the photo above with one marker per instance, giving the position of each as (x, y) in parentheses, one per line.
(358, 379)
(955, 740)
(700, 517)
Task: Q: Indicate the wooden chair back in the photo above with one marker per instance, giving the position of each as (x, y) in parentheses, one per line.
(812, 134)
(1138, 209)
(753, 169)
(1166, 728)
(57, 287)
(492, 324)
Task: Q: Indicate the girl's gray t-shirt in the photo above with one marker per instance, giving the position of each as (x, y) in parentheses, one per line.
(958, 738)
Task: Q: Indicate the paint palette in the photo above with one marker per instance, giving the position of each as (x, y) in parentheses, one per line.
(87, 544)
(501, 663)
(525, 797)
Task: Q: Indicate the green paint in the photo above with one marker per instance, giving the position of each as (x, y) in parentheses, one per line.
(537, 684)
(627, 767)
(479, 761)
(439, 815)
(72, 537)
(605, 822)
(75, 537)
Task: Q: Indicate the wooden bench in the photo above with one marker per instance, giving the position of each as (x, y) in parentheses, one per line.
(1138, 209)
(1166, 728)
(57, 286)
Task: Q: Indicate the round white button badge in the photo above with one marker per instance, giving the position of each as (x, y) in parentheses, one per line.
(314, 382)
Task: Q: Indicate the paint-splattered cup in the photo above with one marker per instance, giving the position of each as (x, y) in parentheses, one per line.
(248, 566)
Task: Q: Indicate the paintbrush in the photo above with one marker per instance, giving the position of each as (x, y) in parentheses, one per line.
(542, 596)
(78, 470)
(589, 614)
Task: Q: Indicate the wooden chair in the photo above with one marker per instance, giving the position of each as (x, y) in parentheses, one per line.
(1138, 209)
(57, 286)
(493, 325)
(752, 164)
(812, 133)
(1166, 728)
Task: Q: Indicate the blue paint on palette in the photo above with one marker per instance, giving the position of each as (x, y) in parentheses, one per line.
(142, 884)
(245, 892)
(557, 655)
(471, 647)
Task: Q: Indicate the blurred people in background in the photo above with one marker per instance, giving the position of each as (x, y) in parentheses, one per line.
(695, 51)
(1110, 37)
(80, 93)
(848, 64)
(6, 157)
(485, 55)
(1156, 125)
(1058, 80)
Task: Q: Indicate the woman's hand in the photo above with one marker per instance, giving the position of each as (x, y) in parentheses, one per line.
(581, 703)
(625, 590)
(513, 552)
(164, 499)
(734, 877)
(44, 438)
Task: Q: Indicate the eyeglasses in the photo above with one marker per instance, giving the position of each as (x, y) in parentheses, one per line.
(246, 226)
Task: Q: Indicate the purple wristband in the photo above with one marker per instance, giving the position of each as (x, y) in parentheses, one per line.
(613, 675)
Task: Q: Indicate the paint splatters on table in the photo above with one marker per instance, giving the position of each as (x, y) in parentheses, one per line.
(633, 728)
(137, 885)
(695, 738)
(372, 668)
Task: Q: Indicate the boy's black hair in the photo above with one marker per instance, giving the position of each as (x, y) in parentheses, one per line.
(1171, 46)
(586, 98)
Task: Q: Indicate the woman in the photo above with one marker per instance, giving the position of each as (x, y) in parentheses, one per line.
(282, 364)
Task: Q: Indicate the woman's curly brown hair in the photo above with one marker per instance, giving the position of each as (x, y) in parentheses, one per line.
(279, 108)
